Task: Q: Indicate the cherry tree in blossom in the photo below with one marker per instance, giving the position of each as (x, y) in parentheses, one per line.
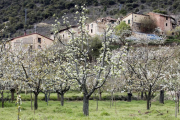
(77, 66)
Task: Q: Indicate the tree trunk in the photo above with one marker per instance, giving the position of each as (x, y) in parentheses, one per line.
(45, 97)
(85, 105)
(100, 94)
(62, 99)
(2, 99)
(149, 98)
(97, 105)
(129, 97)
(176, 107)
(112, 97)
(161, 97)
(35, 101)
(178, 104)
(31, 101)
(48, 96)
(142, 96)
(58, 97)
(12, 94)
(148, 103)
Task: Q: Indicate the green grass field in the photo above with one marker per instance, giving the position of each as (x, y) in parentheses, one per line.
(72, 110)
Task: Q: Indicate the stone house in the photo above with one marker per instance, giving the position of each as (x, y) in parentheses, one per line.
(164, 22)
(33, 41)
(98, 27)
(65, 33)
(134, 20)
(94, 28)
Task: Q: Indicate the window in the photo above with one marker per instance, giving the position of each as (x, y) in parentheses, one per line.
(63, 35)
(91, 30)
(166, 24)
(128, 21)
(39, 40)
(91, 25)
(166, 18)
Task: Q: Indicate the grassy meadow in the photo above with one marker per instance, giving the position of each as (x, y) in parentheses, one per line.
(72, 110)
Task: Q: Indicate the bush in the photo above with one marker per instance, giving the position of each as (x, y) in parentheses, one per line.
(19, 26)
(135, 5)
(160, 11)
(112, 2)
(142, 6)
(121, 1)
(105, 114)
(113, 12)
(172, 41)
(123, 12)
(136, 10)
(129, 1)
(69, 5)
(96, 44)
(129, 5)
(31, 5)
(143, 1)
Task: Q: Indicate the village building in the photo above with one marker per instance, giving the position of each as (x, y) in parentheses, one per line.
(33, 41)
(164, 22)
(134, 20)
(99, 26)
(66, 33)
(94, 28)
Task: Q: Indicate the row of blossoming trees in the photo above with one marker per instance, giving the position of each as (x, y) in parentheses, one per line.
(133, 69)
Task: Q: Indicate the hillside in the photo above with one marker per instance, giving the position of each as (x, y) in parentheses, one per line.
(12, 12)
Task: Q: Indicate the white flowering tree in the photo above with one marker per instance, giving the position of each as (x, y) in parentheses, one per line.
(129, 73)
(147, 66)
(171, 81)
(77, 65)
(61, 83)
(34, 67)
(4, 68)
(115, 82)
(57, 80)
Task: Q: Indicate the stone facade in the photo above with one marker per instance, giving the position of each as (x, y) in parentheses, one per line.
(99, 26)
(94, 28)
(134, 20)
(30, 42)
(66, 33)
(164, 22)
